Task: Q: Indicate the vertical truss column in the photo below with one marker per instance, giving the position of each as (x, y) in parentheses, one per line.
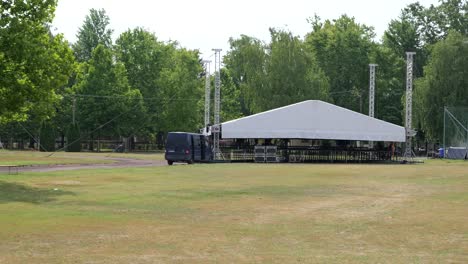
(207, 91)
(409, 104)
(371, 94)
(372, 89)
(217, 106)
(217, 99)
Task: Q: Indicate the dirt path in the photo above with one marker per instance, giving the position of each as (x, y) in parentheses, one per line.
(118, 163)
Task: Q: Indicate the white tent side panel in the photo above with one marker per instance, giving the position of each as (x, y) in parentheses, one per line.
(313, 119)
(457, 153)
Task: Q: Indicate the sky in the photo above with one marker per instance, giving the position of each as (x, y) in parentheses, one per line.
(208, 24)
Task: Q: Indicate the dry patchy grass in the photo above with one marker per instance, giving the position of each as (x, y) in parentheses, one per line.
(47, 158)
(63, 158)
(239, 213)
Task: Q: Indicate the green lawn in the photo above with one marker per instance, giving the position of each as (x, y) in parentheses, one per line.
(238, 213)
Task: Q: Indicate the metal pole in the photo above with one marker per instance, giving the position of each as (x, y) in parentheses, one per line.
(466, 139)
(443, 140)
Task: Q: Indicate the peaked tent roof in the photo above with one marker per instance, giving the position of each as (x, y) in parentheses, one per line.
(313, 119)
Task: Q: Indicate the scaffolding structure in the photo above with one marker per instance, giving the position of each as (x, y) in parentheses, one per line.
(207, 91)
(216, 129)
(298, 154)
(372, 89)
(409, 105)
(371, 94)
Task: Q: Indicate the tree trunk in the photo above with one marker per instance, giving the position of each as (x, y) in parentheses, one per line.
(125, 144)
(160, 139)
(99, 141)
(360, 103)
(31, 143)
(62, 141)
(91, 141)
(427, 151)
(132, 143)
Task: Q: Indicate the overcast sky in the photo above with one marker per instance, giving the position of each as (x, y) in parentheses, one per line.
(207, 24)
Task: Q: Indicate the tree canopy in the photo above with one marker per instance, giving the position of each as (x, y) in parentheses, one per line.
(141, 85)
(342, 48)
(94, 31)
(445, 83)
(271, 75)
(107, 98)
(245, 62)
(34, 63)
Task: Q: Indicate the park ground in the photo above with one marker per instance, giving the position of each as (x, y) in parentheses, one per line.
(232, 213)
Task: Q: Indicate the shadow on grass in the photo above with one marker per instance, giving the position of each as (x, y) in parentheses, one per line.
(14, 192)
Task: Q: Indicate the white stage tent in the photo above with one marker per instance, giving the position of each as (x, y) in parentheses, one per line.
(313, 119)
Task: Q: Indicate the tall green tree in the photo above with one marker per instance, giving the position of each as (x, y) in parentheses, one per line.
(34, 64)
(402, 36)
(182, 104)
(270, 75)
(246, 62)
(390, 84)
(73, 138)
(433, 23)
(47, 137)
(167, 76)
(292, 72)
(107, 103)
(230, 94)
(445, 83)
(342, 48)
(94, 31)
(419, 27)
(145, 58)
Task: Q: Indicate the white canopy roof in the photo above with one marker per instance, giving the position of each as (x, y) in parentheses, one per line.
(313, 119)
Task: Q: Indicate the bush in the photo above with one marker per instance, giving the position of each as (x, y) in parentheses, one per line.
(73, 138)
(47, 137)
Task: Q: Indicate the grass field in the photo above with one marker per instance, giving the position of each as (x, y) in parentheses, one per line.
(47, 158)
(62, 158)
(238, 213)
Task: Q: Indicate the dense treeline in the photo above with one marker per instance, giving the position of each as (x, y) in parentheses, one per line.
(142, 86)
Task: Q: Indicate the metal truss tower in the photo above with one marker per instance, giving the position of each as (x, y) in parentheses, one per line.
(217, 106)
(372, 89)
(409, 104)
(207, 91)
(371, 94)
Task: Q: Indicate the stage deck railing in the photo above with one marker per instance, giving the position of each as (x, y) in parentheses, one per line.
(308, 155)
